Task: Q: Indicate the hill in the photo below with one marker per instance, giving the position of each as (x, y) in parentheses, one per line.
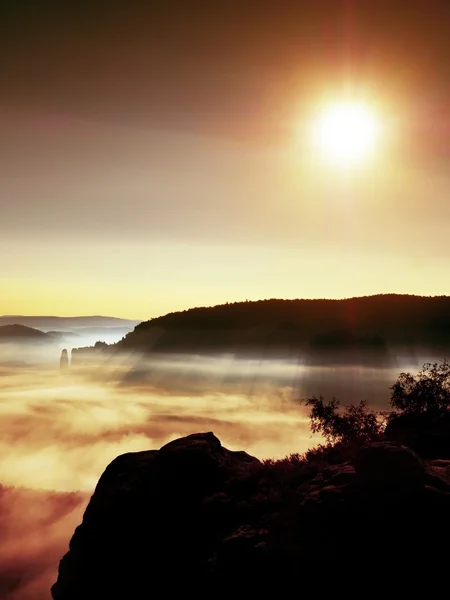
(21, 334)
(48, 323)
(370, 325)
(75, 331)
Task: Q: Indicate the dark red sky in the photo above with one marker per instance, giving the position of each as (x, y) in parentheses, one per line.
(147, 161)
(230, 65)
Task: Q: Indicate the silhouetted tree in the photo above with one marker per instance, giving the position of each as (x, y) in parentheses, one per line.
(429, 390)
(353, 424)
(100, 345)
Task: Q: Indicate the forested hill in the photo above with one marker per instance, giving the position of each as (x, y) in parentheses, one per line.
(370, 322)
(20, 333)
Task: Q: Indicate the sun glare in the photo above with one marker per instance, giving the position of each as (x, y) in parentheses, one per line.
(346, 133)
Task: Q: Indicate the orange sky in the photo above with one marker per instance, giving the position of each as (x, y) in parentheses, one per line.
(157, 162)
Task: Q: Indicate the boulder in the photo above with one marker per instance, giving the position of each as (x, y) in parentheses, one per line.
(387, 465)
(342, 475)
(427, 433)
(146, 512)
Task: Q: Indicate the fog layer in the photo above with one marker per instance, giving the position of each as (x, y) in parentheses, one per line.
(60, 428)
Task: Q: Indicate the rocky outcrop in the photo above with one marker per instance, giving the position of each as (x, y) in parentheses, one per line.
(386, 506)
(194, 517)
(428, 433)
(147, 515)
(387, 466)
(64, 360)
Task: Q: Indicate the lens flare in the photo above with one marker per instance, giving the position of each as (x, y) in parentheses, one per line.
(346, 133)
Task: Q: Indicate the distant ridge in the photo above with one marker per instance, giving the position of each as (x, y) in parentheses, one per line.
(317, 325)
(58, 323)
(17, 332)
(65, 317)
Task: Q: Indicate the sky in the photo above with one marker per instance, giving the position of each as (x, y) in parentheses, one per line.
(155, 156)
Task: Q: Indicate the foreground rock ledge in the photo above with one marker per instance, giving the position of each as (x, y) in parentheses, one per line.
(194, 515)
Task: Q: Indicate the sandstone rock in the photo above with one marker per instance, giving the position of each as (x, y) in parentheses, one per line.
(64, 360)
(345, 474)
(388, 465)
(427, 433)
(241, 552)
(147, 509)
(195, 517)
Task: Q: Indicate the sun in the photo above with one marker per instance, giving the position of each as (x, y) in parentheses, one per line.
(346, 133)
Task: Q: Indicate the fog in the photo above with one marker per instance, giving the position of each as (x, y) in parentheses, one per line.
(60, 428)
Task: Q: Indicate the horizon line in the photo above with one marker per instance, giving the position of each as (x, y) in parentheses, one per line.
(68, 317)
(140, 320)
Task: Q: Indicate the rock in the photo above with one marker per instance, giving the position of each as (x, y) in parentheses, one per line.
(427, 433)
(387, 465)
(343, 476)
(441, 463)
(64, 360)
(339, 475)
(147, 510)
(241, 553)
(438, 475)
(196, 518)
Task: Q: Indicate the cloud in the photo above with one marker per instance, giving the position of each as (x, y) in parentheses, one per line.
(34, 527)
(61, 429)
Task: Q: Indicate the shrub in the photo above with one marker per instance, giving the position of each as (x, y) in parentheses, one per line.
(354, 424)
(429, 390)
